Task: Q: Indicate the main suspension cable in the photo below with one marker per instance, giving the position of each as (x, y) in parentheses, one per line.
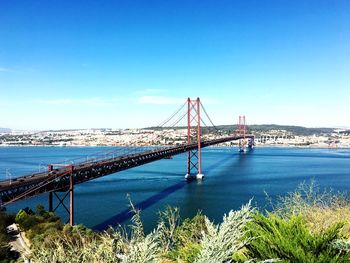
(209, 117)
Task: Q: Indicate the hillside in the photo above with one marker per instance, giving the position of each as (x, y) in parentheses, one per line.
(3, 130)
(266, 128)
(296, 130)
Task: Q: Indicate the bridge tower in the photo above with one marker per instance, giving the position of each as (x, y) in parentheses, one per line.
(69, 193)
(241, 131)
(194, 158)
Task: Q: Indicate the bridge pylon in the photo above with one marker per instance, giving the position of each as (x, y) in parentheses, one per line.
(242, 130)
(70, 192)
(194, 158)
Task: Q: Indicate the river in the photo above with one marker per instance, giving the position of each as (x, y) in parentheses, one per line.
(231, 179)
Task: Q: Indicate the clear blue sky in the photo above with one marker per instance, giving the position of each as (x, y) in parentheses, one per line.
(81, 64)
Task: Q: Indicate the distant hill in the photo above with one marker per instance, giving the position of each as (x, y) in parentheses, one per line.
(3, 130)
(265, 128)
(296, 130)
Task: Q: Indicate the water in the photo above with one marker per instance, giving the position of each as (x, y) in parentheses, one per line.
(231, 179)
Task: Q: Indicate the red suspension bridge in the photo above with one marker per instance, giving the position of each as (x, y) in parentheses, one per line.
(62, 177)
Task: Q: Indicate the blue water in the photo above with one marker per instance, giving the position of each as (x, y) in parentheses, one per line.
(231, 179)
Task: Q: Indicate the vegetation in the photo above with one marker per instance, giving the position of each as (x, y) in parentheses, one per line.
(291, 241)
(39, 225)
(5, 252)
(306, 198)
(307, 225)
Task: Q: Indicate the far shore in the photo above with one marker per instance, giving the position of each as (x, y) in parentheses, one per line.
(213, 146)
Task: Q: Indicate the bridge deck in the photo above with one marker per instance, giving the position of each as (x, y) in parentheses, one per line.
(58, 179)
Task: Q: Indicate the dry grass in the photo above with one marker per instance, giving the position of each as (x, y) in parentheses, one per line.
(318, 219)
(319, 208)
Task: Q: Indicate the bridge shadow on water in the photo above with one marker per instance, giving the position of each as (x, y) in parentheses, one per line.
(143, 205)
(127, 214)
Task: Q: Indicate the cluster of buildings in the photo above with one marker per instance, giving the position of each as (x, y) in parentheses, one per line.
(145, 137)
(95, 137)
(338, 138)
(333, 140)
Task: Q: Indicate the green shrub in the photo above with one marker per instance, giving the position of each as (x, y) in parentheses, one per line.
(6, 219)
(192, 229)
(186, 253)
(36, 223)
(5, 253)
(187, 239)
(20, 216)
(4, 248)
(27, 222)
(40, 210)
(42, 229)
(272, 237)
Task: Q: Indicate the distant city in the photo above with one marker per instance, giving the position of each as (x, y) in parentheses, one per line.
(265, 135)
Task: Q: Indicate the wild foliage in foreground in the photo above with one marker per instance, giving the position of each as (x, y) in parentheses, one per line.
(223, 240)
(293, 232)
(5, 252)
(217, 243)
(320, 209)
(290, 240)
(305, 197)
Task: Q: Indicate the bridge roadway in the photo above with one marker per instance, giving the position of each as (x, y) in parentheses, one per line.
(59, 179)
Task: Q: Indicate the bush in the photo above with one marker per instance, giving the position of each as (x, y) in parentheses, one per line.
(187, 239)
(5, 253)
(4, 247)
(223, 240)
(186, 253)
(36, 223)
(272, 237)
(42, 229)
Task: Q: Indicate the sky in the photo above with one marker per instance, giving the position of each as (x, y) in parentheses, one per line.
(126, 64)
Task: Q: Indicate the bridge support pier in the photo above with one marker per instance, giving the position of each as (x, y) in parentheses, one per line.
(194, 176)
(251, 143)
(194, 158)
(242, 145)
(70, 191)
(71, 198)
(50, 202)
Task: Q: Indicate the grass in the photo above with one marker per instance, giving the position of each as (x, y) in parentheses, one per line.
(320, 209)
(319, 219)
(305, 197)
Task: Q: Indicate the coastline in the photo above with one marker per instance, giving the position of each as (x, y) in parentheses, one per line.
(212, 146)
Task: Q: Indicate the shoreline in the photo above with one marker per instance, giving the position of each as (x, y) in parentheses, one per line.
(212, 146)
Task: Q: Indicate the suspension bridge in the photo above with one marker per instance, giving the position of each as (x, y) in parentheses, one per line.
(61, 177)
